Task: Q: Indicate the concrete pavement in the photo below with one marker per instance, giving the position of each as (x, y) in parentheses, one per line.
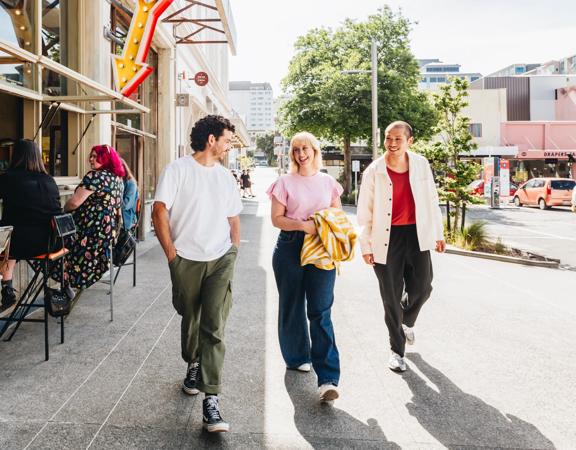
(492, 367)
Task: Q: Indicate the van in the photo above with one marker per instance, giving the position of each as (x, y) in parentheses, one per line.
(545, 192)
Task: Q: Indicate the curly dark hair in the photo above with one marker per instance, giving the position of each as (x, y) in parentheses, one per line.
(206, 126)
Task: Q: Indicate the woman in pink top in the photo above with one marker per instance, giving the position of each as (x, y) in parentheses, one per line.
(305, 290)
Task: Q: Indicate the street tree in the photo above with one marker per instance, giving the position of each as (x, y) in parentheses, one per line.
(265, 143)
(337, 106)
(449, 152)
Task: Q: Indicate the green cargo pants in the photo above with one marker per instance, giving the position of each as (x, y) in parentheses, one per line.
(202, 295)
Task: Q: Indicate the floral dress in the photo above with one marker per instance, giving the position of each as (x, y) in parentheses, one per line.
(97, 221)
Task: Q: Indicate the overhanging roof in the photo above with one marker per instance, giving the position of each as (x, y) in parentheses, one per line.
(68, 102)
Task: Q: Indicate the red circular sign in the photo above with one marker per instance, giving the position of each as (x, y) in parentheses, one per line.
(201, 78)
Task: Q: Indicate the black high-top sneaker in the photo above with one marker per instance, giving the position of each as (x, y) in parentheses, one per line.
(8, 297)
(191, 381)
(212, 421)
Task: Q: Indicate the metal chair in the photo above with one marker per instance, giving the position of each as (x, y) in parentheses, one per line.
(42, 266)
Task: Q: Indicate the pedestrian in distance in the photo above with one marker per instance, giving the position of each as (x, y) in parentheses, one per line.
(196, 218)
(305, 291)
(246, 183)
(398, 208)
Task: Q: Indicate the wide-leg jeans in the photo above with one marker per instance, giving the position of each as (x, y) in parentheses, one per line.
(305, 292)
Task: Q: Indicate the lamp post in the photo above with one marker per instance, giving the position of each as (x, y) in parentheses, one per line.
(374, 90)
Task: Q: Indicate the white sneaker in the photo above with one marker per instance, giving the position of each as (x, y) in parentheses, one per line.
(304, 367)
(396, 363)
(409, 333)
(328, 392)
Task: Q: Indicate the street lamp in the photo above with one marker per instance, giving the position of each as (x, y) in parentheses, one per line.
(374, 73)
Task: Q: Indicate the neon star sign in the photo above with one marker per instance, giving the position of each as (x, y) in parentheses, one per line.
(130, 69)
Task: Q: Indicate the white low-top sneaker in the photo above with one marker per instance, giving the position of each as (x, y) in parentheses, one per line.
(328, 393)
(304, 367)
(409, 333)
(396, 363)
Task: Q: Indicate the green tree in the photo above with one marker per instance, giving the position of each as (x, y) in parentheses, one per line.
(265, 143)
(337, 106)
(447, 152)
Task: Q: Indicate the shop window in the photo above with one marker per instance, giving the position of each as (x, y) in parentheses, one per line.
(17, 28)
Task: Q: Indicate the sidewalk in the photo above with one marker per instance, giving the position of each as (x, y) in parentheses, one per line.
(492, 365)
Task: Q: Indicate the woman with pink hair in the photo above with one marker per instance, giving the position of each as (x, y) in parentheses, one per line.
(96, 208)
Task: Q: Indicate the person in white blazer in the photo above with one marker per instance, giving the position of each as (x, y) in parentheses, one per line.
(401, 219)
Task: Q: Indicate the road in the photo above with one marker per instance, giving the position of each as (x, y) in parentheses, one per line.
(549, 233)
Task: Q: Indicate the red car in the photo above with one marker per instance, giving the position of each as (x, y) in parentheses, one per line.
(477, 188)
(545, 192)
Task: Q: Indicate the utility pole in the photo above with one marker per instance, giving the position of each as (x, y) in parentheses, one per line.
(374, 51)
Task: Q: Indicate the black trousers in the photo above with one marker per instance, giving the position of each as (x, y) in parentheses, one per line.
(407, 273)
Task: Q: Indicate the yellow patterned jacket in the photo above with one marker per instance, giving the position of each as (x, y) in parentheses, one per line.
(333, 243)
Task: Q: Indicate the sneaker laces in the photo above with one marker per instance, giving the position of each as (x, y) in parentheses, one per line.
(193, 371)
(212, 409)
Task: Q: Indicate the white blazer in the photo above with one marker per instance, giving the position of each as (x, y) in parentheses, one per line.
(375, 207)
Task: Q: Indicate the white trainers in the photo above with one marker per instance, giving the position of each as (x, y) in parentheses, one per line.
(396, 363)
(409, 333)
(304, 367)
(328, 393)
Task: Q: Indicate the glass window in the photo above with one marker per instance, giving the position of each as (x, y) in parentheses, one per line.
(563, 185)
(17, 28)
(476, 129)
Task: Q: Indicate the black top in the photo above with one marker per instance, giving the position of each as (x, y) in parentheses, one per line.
(30, 199)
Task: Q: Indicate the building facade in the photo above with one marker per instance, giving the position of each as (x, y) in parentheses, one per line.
(255, 103)
(57, 87)
(434, 73)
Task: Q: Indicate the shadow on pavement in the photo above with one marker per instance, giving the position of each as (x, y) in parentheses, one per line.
(324, 426)
(457, 419)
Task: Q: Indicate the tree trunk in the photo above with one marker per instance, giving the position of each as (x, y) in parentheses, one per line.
(463, 217)
(347, 166)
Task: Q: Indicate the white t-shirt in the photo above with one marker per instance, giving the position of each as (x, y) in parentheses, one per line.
(199, 200)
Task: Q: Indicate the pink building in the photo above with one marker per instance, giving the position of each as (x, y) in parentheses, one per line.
(543, 147)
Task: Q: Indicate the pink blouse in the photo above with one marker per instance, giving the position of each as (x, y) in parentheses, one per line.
(303, 196)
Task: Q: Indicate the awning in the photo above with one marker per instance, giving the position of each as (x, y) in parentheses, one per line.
(91, 91)
(490, 150)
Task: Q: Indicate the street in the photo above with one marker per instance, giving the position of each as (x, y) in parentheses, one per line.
(548, 233)
(492, 366)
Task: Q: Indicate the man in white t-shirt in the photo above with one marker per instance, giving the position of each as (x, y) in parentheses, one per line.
(196, 218)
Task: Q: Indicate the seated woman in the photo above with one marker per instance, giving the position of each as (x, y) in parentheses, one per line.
(96, 208)
(30, 200)
(130, 199)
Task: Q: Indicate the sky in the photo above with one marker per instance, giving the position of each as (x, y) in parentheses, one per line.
(481, 35)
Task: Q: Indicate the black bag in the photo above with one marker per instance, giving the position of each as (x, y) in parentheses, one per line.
(57, 302)
(124, 247)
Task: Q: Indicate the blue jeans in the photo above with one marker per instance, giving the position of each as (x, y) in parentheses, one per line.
(305, 291)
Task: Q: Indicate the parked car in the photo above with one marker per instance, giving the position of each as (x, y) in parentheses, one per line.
(477, 188)
(545, 192)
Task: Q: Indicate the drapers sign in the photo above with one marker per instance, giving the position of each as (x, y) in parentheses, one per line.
(558, 153)
(130, 69)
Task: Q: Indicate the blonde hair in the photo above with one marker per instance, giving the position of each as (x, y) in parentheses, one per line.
(309, 139)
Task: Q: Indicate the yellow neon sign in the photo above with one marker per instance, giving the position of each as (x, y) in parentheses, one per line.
(130, 69)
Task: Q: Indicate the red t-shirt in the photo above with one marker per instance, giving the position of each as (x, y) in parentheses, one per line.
(403, 207)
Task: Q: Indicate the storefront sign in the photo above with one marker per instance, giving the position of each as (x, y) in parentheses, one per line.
(201, 78)
(558, 153)
(504, 178)
(130, 69)
(488, 174)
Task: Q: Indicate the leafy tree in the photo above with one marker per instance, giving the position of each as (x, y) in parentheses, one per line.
(265, 143)
(337, 106)
(452, 142)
